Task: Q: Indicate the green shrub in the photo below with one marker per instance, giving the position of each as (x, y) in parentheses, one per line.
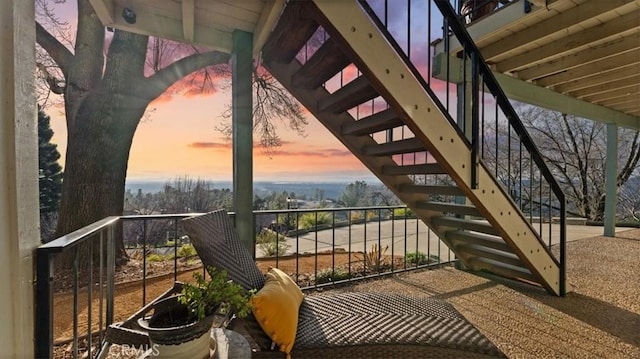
(272, 243)
(419, 258)
(311, 220)
(267, 236)
(376, 259)
(332, 275)
(155, 258)
(187, 251)
(402, 212)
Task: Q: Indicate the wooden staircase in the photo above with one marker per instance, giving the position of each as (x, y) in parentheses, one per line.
(407, 140)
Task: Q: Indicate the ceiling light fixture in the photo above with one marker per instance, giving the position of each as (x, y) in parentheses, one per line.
(129, 15)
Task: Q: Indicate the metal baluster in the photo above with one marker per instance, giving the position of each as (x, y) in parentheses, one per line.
(76, 255)
(89, 298)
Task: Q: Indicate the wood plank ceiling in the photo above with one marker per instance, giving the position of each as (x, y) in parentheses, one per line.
(586, 49)
(208, 23)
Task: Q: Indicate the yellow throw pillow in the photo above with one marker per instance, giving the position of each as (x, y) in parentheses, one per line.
(275, 307)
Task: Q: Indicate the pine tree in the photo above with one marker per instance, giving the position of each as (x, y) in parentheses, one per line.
(50, 172)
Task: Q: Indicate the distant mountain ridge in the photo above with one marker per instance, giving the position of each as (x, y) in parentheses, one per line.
(331, 190)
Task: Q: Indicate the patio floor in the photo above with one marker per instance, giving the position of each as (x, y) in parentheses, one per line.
(600, 318)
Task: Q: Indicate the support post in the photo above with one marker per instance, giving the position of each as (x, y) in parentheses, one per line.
(464, 117)
(19, 217)
(242, 123)
(611, 186)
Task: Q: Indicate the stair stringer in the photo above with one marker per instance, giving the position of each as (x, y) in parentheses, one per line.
(349, 25)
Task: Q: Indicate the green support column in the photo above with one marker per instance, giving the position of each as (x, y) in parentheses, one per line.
(463, 114)
(242, 123)
(611, 186)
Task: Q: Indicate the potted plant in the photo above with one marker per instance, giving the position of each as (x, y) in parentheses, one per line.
(180, 325)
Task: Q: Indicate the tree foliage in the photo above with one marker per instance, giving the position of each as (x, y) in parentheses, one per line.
(50, 177)
(50, 171)
(107, 81)
(355, 194)
(575, 149)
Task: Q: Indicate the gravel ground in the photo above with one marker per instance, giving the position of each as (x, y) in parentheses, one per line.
(599, 318)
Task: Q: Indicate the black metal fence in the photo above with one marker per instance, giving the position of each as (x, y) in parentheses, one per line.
(79, 283)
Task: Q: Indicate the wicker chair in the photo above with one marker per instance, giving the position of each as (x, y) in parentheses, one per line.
(348, 325)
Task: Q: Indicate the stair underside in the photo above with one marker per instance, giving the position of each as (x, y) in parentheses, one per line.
(485, 230)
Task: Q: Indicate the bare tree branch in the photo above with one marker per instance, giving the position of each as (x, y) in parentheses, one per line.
(56, 85)
(159, 82)
(60, 54)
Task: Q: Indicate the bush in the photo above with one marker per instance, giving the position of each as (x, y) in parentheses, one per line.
(311, 220)
(376, 259)
(272, 243)
(402, 212)
(419, 258)
(155, 258)
(332, 275)
(187, 251)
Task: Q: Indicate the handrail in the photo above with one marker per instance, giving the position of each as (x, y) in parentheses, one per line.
(75, 237)
(494, 87)
(414, 71)
(480, 69)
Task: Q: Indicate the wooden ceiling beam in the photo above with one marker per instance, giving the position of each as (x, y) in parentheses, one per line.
(163, 19)
(619, 74)
(268, 17)
(631, 106)
(616, 75)
(574, 42)
(585, 56)
(592, 69)
(633, 97)
(560, 22)
(104, 10)
(188, 19)
(606, 87)
(527, 92)
(620, 92)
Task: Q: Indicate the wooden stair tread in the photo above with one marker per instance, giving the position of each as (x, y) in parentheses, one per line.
(327, 61)
(350, 95)
(503, 269)
(408, 145)
(477, 238)
(377, 122)
(442, 190)
(291, 33)
(447, 207)
(480, 251)
(468, 224)
(424, 169)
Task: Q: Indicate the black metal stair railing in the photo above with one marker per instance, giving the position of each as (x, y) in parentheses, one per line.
(479, 109)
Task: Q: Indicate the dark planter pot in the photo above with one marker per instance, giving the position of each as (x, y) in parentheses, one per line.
(187, 339)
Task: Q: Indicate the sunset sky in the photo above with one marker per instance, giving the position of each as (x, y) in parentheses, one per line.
(179, 137)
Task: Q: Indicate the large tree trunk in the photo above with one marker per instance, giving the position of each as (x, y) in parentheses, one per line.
(96, 162)
(104, 102)
(99, 139)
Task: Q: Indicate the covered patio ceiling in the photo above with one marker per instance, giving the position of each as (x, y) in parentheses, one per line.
(574, 56)
(209, 23)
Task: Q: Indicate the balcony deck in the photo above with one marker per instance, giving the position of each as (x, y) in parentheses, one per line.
(599, 319)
